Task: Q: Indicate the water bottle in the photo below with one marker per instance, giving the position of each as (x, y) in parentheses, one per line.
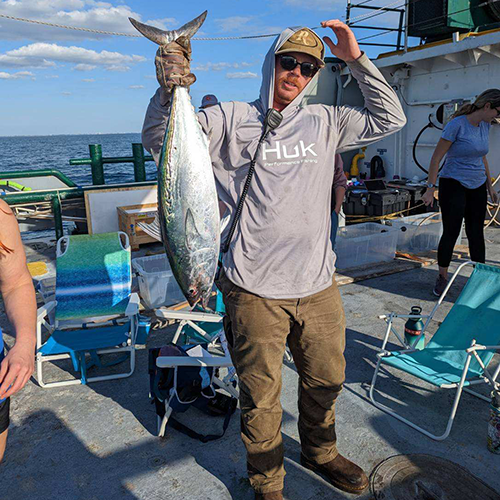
(414, 328)
(494, 424)
(143, 329)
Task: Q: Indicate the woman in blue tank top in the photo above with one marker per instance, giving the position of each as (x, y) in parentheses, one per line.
(18, 294)
(465, 180)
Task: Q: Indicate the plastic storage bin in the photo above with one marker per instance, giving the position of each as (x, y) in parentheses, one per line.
(365, 243)
(157, 285)
(420, 233)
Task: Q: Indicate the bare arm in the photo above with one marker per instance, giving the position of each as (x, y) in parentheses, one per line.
(441, 149)
(339, 198)
(339, 183)
(16, 287)
(489, 185)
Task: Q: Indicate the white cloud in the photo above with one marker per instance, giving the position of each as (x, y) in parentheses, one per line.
(233, 23)
(65, 93)
(84, 67)
(149, 77)
(48, 77)
(136, 86)
(39, 55)
(167, 23)
(245, 74)
(329, 5)
(79, 13)
(16, 76)
(88, 80)
(246, 25)
(120, 68)
(219, 66)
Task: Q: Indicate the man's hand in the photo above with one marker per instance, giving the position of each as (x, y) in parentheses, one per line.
(16, 369)
(347, 47)
(173, 64)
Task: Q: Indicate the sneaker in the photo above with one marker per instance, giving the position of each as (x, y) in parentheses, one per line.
(441, 284)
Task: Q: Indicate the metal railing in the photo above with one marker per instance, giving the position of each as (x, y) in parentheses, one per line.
(353, 22)
(56, 196)
(97, 162)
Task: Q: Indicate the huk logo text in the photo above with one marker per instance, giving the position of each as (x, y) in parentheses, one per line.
(281, 151)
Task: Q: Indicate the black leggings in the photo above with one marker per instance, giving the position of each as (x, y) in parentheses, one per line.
(458, 203)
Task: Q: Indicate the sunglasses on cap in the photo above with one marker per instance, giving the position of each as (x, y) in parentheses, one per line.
(289, 63)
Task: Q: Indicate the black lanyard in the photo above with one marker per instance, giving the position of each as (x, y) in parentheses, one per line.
(272, 120)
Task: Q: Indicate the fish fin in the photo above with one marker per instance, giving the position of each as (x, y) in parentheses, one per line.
(191, 232)
(162, 37)
(152, 229)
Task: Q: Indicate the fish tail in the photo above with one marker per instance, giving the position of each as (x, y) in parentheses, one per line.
(162, 37)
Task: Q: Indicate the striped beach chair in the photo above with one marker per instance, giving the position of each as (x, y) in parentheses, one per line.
(95, 311)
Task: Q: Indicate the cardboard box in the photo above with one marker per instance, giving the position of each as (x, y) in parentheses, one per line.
(128, 218)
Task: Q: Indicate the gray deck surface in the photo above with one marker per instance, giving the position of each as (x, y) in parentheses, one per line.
(98, 441)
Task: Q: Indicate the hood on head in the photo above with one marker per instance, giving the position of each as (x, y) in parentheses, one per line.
(267, 86)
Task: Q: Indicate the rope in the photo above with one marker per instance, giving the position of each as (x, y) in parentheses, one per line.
(493, 217)
(364, 218)
(362, 17)
(131, 35)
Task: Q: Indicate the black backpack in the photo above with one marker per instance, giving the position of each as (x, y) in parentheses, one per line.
(185, 386)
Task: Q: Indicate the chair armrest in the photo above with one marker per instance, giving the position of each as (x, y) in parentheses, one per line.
(133, 305)
(410, 316)
(479, 347)
(385, 353)
(44, 310)
(212, 361)
(166, 313)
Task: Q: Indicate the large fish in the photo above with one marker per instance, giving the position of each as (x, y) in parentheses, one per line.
(188, 213)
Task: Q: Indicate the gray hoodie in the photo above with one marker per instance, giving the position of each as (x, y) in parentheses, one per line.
(281, 247)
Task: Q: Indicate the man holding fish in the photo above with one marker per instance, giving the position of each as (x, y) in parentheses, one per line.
(277, 274)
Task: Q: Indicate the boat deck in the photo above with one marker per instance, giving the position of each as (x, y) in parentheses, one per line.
(98, 441)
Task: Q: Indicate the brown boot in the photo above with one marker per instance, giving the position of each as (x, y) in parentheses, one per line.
(274, 495)
(342, 473)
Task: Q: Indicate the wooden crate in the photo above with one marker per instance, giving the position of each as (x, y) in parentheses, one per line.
(129, 216)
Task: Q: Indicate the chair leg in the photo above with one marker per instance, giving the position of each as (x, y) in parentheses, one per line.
(480, 396)
(162, 422)
(408, 422)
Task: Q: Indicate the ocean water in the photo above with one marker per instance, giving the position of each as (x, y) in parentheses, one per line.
(55, 151)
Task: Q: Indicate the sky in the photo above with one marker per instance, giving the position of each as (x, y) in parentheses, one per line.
(59, 81)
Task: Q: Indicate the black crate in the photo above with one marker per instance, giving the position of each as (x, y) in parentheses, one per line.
(355, 202)
(375, 203)
(388, 201)
(416, 193)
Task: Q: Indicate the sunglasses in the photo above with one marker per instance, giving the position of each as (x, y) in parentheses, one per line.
(289, 63)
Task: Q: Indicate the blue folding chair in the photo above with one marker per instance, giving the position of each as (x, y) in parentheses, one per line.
(95, 311)
(460, 351)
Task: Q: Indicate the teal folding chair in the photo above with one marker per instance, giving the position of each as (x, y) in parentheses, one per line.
(458, 355)
(95, 311)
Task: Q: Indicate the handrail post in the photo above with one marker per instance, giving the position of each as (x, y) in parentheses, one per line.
(96, 164)
(56, 210)
(139, 165)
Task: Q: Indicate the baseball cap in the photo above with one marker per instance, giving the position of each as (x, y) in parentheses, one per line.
(307, 42)
(208, 100)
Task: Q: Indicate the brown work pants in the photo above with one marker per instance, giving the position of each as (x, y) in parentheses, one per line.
(257, 331)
